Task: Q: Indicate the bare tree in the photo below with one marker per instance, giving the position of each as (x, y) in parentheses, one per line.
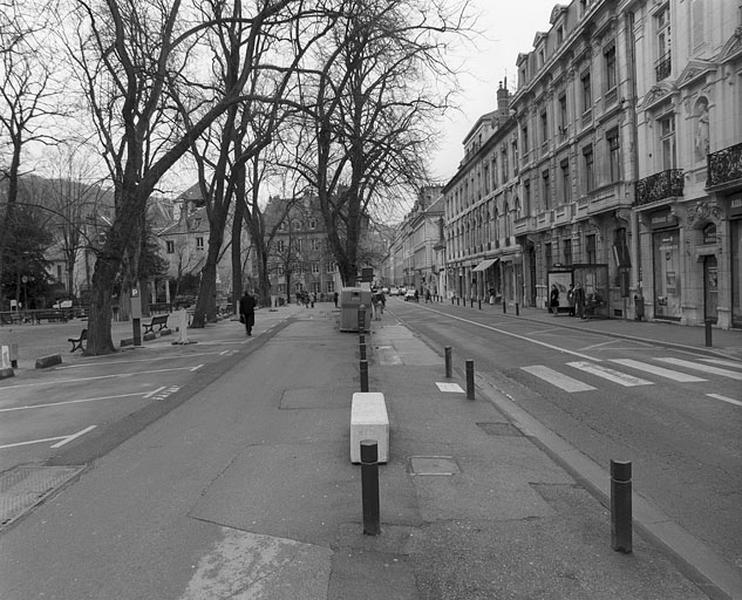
(374, 101)
(126, 55)
(28, 96)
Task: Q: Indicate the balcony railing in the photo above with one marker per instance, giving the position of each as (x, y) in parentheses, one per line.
(663, 67)
(665, 184)
(724, 166)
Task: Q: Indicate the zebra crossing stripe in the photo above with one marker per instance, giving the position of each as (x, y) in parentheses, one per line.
(724, 363)
(701, 367)
(725, 399)
(609, 374)
(564, 382)
(655, 370)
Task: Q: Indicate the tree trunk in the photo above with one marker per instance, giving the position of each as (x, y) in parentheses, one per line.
(239, 215)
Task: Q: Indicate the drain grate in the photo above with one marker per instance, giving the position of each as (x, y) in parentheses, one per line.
(433, 465)
(501, 429)
(23, 487)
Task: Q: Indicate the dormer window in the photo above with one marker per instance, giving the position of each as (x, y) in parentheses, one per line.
(560, 35)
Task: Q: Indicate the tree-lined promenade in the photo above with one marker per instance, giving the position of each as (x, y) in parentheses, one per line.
(335, 97)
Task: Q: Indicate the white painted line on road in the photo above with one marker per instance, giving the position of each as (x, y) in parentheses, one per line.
(592, 346)
(515, 335)
(74, 436)
(30, 406)
(609, 374)
(62, 439)
(154, 391)
(223, 352)
(724, 363)
(449, 387)
(655, 370)
(725, 399)
(197, 367)
(78, 379)
(138, 360)
(564, 382)
(704, 368)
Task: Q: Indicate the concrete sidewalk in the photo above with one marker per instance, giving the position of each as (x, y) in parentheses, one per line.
(247, 491)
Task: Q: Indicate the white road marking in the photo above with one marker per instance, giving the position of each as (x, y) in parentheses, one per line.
(609, 374)
(725, 399)
(61, 439)
(138, 360)
(598, 345)
(515, 335)
(197, 367)
(725, 363)
(564, 382)
(449, 387)
(30, 406)
(154, 391)
(74, 436)
(703, 368)
(223, 352)
(119, 375)
(655, 370)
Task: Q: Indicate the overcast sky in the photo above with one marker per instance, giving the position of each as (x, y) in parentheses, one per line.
(509, 27)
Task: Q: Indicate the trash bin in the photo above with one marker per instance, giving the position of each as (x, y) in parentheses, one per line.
(638, 307)
(351, 298)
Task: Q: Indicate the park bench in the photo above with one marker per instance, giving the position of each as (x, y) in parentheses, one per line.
(159, 321)
(77, 342)
(50, 315)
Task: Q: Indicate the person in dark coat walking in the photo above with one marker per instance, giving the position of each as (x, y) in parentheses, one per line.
(554, 299)
(247, 311)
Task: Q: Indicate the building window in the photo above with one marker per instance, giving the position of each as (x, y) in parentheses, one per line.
(315, 267)
(494, 173)
(312, 223)
(524, 140)
(486, 177)
(667, 142)
(299, 245)
(562, 117)
(589, 173)
(330, 267)
(614, 170)
(548, 261)
(514, 147)
(566, 185)
(527, 196)
(315, 244)
(504, 164)
(330, 287)
(587, 94)
(560, 34)
(546, 189)
(283, 226)
(568, 252)
(663, 65)
(279, 270)
(609, 57)
(590, 249)
(280, 246)
(199, 243)
(170, 247)
(544, 128)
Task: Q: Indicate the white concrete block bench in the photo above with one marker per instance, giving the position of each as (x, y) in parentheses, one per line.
(369, 421)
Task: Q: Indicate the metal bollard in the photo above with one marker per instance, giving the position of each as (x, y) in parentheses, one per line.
(363, 351)
(504, 307)
(470, 379)
(708, 333)
(517, 309)
(458, 301)
(370, 487)
(364, 375)
(449, 369)
(621, 506)
(480, 304)
(471, 301)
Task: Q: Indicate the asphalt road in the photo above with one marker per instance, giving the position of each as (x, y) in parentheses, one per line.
(675, 415)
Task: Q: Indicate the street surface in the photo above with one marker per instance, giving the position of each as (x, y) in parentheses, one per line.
(675, 415)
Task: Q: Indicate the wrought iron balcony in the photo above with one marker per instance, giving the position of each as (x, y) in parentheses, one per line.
(663, 67)
(724, 166)
(665, 184)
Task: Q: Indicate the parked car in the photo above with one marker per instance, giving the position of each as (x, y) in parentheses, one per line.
(409, 295)
(394, 291)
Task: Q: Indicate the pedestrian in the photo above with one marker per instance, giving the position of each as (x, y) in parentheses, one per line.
(579, 301)
(247, 311)
(313, 298)
(554, 299)
(417, 295)
(571, 299)
(335, 299)
(376, 304)
(427, 296)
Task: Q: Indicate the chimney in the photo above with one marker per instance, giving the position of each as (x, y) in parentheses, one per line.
(503, 97)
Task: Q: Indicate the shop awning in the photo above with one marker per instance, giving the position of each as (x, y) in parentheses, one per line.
(485, 264)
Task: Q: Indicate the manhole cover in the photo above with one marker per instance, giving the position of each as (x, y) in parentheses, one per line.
(503, 429)
(433, 465)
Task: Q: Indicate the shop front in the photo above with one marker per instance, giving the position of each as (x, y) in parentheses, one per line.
(735, 249)
(666, 266)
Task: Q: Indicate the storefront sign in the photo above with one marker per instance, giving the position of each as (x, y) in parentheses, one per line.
(735, 205)
(662, 219)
